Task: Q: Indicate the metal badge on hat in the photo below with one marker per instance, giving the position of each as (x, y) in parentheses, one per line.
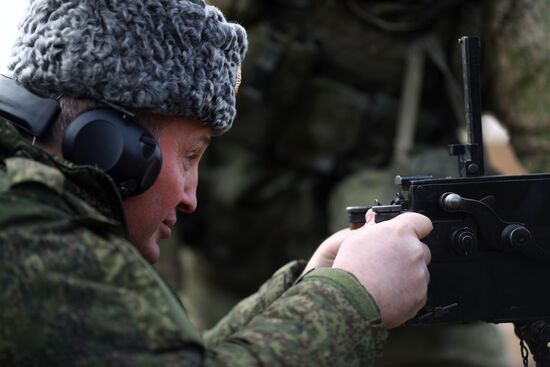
(239, 79)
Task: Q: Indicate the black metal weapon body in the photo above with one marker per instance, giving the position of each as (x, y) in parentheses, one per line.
(491, 239)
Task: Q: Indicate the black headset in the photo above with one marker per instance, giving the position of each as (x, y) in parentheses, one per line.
(108, 137)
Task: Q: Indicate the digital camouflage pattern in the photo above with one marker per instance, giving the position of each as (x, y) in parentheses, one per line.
(76, 292)
(275, 336)
(316, 123)
(518, 54)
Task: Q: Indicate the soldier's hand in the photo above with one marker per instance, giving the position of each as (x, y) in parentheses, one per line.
(327, 250)
(391, 262)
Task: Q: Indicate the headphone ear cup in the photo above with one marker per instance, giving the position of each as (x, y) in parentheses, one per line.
(118, 145)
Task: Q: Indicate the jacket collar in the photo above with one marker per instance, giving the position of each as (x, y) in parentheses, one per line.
(89, 183)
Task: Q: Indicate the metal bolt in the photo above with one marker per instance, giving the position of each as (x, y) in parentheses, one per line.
(464, 241)
(451, 201)
(473, 168)
(519, 237)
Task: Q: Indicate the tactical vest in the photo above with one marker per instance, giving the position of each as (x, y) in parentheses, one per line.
(312, 63)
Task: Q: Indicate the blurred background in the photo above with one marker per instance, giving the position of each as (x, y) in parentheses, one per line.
(10, 15)
(338, 96)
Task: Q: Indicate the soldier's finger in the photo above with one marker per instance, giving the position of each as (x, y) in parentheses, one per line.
(427, 276)
(369, 218)
(427, 253)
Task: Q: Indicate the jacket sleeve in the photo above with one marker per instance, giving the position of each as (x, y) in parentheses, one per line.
(327, 319)
(255, 304)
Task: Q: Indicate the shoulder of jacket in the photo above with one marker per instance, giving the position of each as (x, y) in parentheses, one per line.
(22, 170)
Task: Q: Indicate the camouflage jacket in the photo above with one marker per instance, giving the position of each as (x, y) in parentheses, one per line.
(76, 292)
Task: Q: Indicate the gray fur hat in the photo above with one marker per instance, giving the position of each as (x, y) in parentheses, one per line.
(176, 57)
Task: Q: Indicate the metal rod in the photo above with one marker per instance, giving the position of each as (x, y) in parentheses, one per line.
(471, 55)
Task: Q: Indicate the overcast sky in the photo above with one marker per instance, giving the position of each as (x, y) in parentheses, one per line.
(11, 12)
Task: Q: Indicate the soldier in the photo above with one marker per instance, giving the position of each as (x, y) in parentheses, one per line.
(91, 176)
(341, 96)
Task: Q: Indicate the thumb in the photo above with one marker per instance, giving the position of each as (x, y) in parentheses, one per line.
(421, 224)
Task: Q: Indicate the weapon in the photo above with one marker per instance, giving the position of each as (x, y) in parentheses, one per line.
(490, 243)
